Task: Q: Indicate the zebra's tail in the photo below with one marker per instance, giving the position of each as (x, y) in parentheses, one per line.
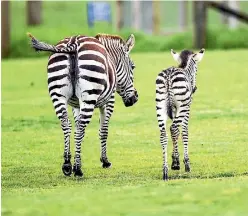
(170, 104)
(42, 46)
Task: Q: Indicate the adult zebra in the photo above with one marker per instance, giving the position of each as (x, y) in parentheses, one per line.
(85, 72)
(174, 89)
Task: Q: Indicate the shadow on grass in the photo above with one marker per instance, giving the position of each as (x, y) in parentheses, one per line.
(143, 177)
(204, 176)
(33, 178)
(211, 176)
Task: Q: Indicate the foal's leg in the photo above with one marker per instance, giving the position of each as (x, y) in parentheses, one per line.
(185, 139)
(174, 129)
(162, 117)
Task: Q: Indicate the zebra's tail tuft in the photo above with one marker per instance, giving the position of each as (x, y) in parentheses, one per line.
(30, 35)
(33, 42)
(41, 46)
(169, 111)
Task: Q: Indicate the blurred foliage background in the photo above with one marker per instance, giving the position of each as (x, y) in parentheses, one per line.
(65, 18)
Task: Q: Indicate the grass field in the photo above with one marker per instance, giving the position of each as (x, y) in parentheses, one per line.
(32, 147)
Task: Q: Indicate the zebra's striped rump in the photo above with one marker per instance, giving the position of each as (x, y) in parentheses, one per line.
(174, 89)
(88, 71)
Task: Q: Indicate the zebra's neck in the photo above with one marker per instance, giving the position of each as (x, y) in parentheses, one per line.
(113, 47)
(190, 70)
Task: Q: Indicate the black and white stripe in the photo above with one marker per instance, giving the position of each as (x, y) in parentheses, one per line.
(85, 72)
(174, 89)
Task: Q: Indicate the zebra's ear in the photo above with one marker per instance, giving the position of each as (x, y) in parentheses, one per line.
(198, 56)
(176, 56)
(130, 43)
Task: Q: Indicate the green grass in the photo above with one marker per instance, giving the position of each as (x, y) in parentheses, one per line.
(32, 146)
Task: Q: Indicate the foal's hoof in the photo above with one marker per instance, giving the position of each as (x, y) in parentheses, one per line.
(77, 171)
(105, 163)
(187, 168)
(165, 174)
(187, 165)
(67, 169)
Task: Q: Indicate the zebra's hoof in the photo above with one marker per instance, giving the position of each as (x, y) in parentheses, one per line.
(175, 167)
(77, 171)
(187, 165)
(187, 168)
(165, 177)
(165, 174)
(105, 163)
(67, 169)
(175, 163)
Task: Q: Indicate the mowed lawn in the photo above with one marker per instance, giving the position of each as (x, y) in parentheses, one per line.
(32, 146)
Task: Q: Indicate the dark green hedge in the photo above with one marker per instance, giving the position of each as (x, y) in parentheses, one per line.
(216, 39)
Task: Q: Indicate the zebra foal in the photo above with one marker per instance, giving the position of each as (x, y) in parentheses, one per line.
(85, 72)
(174, 89)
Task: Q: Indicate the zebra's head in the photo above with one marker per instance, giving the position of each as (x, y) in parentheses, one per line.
(183, 59)
(125, 77)
(188, 61)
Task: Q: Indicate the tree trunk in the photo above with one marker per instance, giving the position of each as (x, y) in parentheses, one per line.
(200, 24)
(155, 17)
(224, 16)
(34, 13)
(233, 21)
(5, 28)
(183, 15)
(119, 15)
(136, 14)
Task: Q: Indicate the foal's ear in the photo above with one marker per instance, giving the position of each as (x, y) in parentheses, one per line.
(176, 56)
(198, 56)
(130, 43)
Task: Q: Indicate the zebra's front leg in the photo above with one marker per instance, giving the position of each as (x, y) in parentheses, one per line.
(105, 114)
(82, 119)
(185, 141)
(174, 136)
(66, 127)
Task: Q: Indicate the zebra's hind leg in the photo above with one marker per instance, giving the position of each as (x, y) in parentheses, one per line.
(164, 142)
(174, 136)
(83, 118)
(66, 127)
(185, 140)
(162, 117)
(105, 114)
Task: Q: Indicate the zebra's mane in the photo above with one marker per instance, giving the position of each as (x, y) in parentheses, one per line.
(184, 56)
(112, 37)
